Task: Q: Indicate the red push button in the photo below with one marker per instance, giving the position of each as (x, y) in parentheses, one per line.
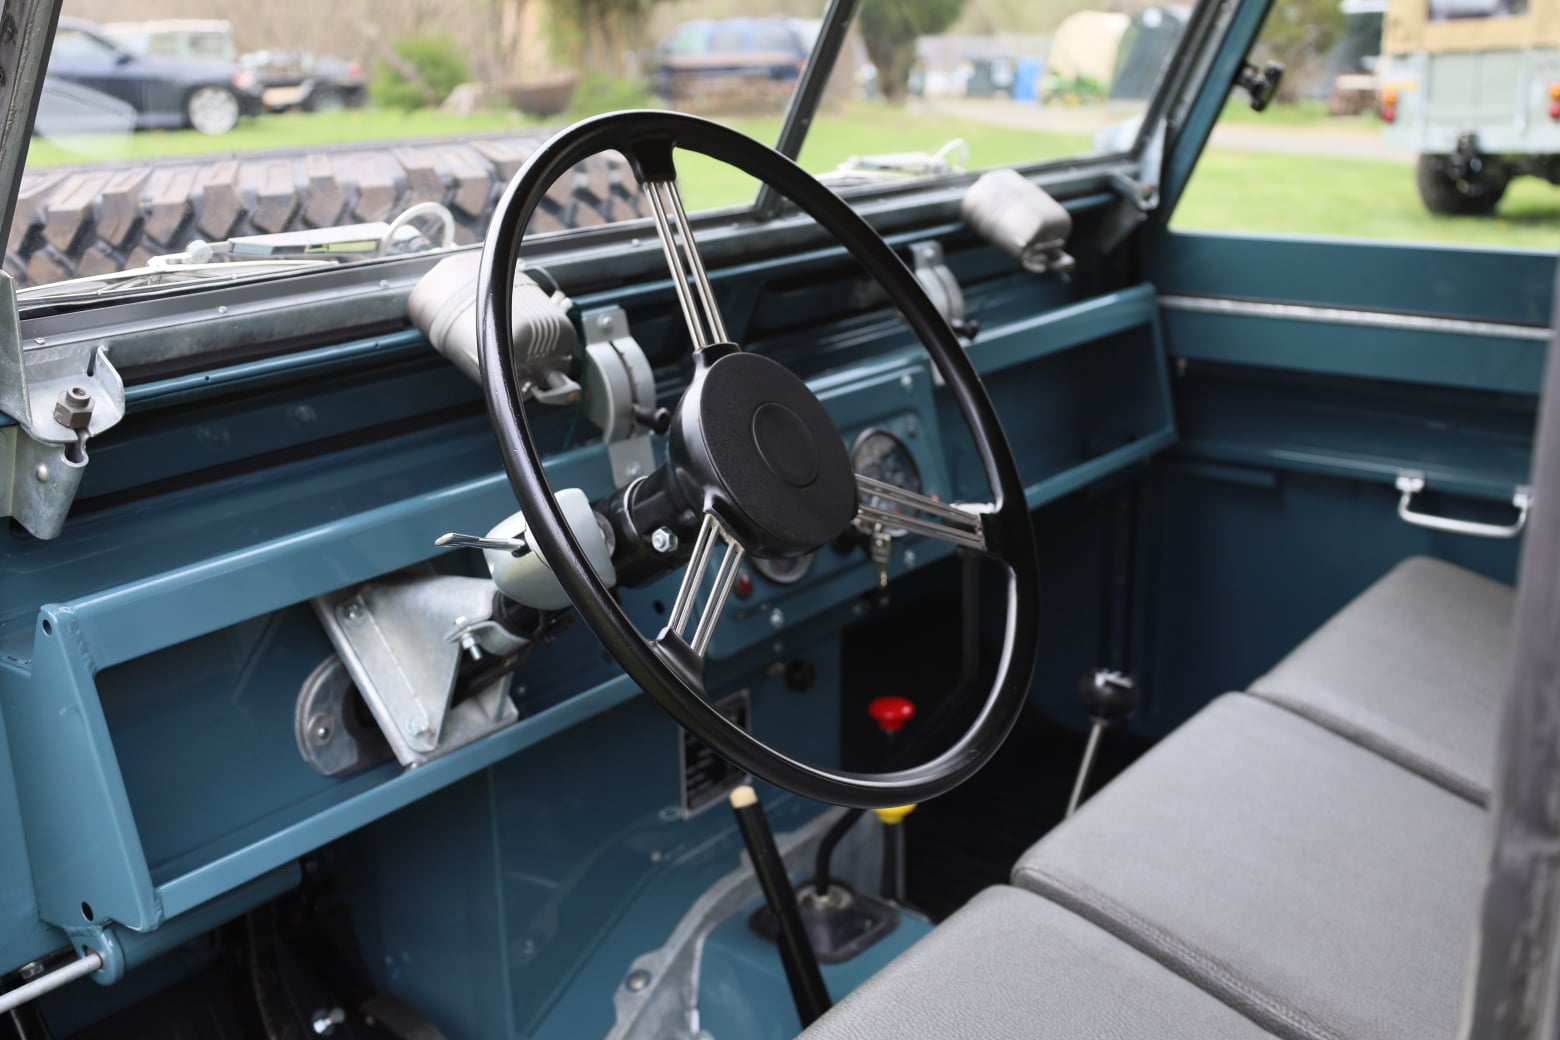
(891, 713)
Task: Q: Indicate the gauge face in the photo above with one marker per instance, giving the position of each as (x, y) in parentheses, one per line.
(882, 456)
(786, 571)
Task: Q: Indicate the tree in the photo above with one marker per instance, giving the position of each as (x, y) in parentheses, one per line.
(889, 29)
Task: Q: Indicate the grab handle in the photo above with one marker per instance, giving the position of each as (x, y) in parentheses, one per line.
(1411, 483)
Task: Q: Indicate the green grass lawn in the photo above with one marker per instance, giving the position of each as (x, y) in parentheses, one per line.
(1231, 191)
(1287, 194)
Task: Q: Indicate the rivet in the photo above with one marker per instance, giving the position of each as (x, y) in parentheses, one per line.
(41, 473)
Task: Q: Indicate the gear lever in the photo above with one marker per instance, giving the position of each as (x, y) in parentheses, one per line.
(1109, 697)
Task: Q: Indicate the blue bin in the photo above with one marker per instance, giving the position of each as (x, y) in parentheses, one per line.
(1026, 79)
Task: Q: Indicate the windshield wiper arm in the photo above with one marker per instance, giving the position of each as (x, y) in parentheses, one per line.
(237, 258)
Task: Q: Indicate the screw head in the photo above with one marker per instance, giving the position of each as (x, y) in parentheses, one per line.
(663, 540)
(637, 980)
(41, 473)
(907, 383)
(909, 558)
(605, 321)
(354, 612)
(321, 728)
(776, 618)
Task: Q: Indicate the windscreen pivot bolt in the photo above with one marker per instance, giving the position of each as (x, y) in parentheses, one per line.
(73, 410)
(663, 540)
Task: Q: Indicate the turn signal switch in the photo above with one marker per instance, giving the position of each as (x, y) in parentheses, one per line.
(1109, 697)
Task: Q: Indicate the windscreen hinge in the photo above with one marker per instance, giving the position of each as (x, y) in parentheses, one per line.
(57, 400)
(620, 394)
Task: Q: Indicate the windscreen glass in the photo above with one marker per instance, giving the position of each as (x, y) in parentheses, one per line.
(185, 140)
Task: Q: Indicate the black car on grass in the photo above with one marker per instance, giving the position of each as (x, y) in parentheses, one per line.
(163, 93)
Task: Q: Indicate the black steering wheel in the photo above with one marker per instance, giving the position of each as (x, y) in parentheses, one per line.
(753, 452)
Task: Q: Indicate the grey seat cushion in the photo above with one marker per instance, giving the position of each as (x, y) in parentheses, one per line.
(1011, 965)
(1414, 669)
(1304, 880)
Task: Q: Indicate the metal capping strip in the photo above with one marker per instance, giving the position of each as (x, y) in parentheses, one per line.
(1348, 316)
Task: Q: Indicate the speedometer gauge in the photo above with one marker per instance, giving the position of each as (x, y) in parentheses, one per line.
(882, 456)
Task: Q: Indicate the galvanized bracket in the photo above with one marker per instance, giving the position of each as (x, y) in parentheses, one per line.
(932, 271)
(619, 394)
(401, 639)
(57, 401)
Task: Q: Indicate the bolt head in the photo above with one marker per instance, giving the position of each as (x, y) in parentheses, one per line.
(41, 473)
(663, 540)
(909, 558)
(637, 980)
(354, 612)
(605, 321)
(907, 383)
(776, 618)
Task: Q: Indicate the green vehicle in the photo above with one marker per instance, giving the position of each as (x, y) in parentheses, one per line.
(1473, 86)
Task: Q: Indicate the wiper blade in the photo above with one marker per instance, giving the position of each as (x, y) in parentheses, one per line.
(234, 259)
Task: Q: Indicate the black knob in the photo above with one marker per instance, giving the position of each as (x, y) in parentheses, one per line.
(656, 420)
(1109, 696)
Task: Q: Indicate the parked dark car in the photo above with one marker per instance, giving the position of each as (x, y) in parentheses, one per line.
(289, 79)
(165, 93)
(731, 63)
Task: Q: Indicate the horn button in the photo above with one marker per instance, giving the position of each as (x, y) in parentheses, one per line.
(751, 440)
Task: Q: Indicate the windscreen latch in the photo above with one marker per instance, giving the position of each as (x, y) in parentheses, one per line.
(57, 398)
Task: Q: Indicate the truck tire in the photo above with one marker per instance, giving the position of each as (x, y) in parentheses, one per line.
(1475, 195)
(92, 220)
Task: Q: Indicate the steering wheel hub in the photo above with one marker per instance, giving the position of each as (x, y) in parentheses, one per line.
(751, 442)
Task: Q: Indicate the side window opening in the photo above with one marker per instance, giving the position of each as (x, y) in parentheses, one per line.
(1396, 120)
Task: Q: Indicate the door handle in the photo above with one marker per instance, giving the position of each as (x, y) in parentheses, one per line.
(1411, 483)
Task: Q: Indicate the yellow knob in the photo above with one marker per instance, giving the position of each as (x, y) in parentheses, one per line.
(895, 814)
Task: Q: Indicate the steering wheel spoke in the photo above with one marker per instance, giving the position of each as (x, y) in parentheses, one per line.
(690, 278)
(961, 524)
(712, 536)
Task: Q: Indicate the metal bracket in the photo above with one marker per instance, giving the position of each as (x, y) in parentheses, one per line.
(57, 400)
(1139, 196)
(931, 270)
(401, 638)
(619, 393)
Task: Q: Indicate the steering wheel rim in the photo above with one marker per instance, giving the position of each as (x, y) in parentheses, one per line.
(646, 139)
